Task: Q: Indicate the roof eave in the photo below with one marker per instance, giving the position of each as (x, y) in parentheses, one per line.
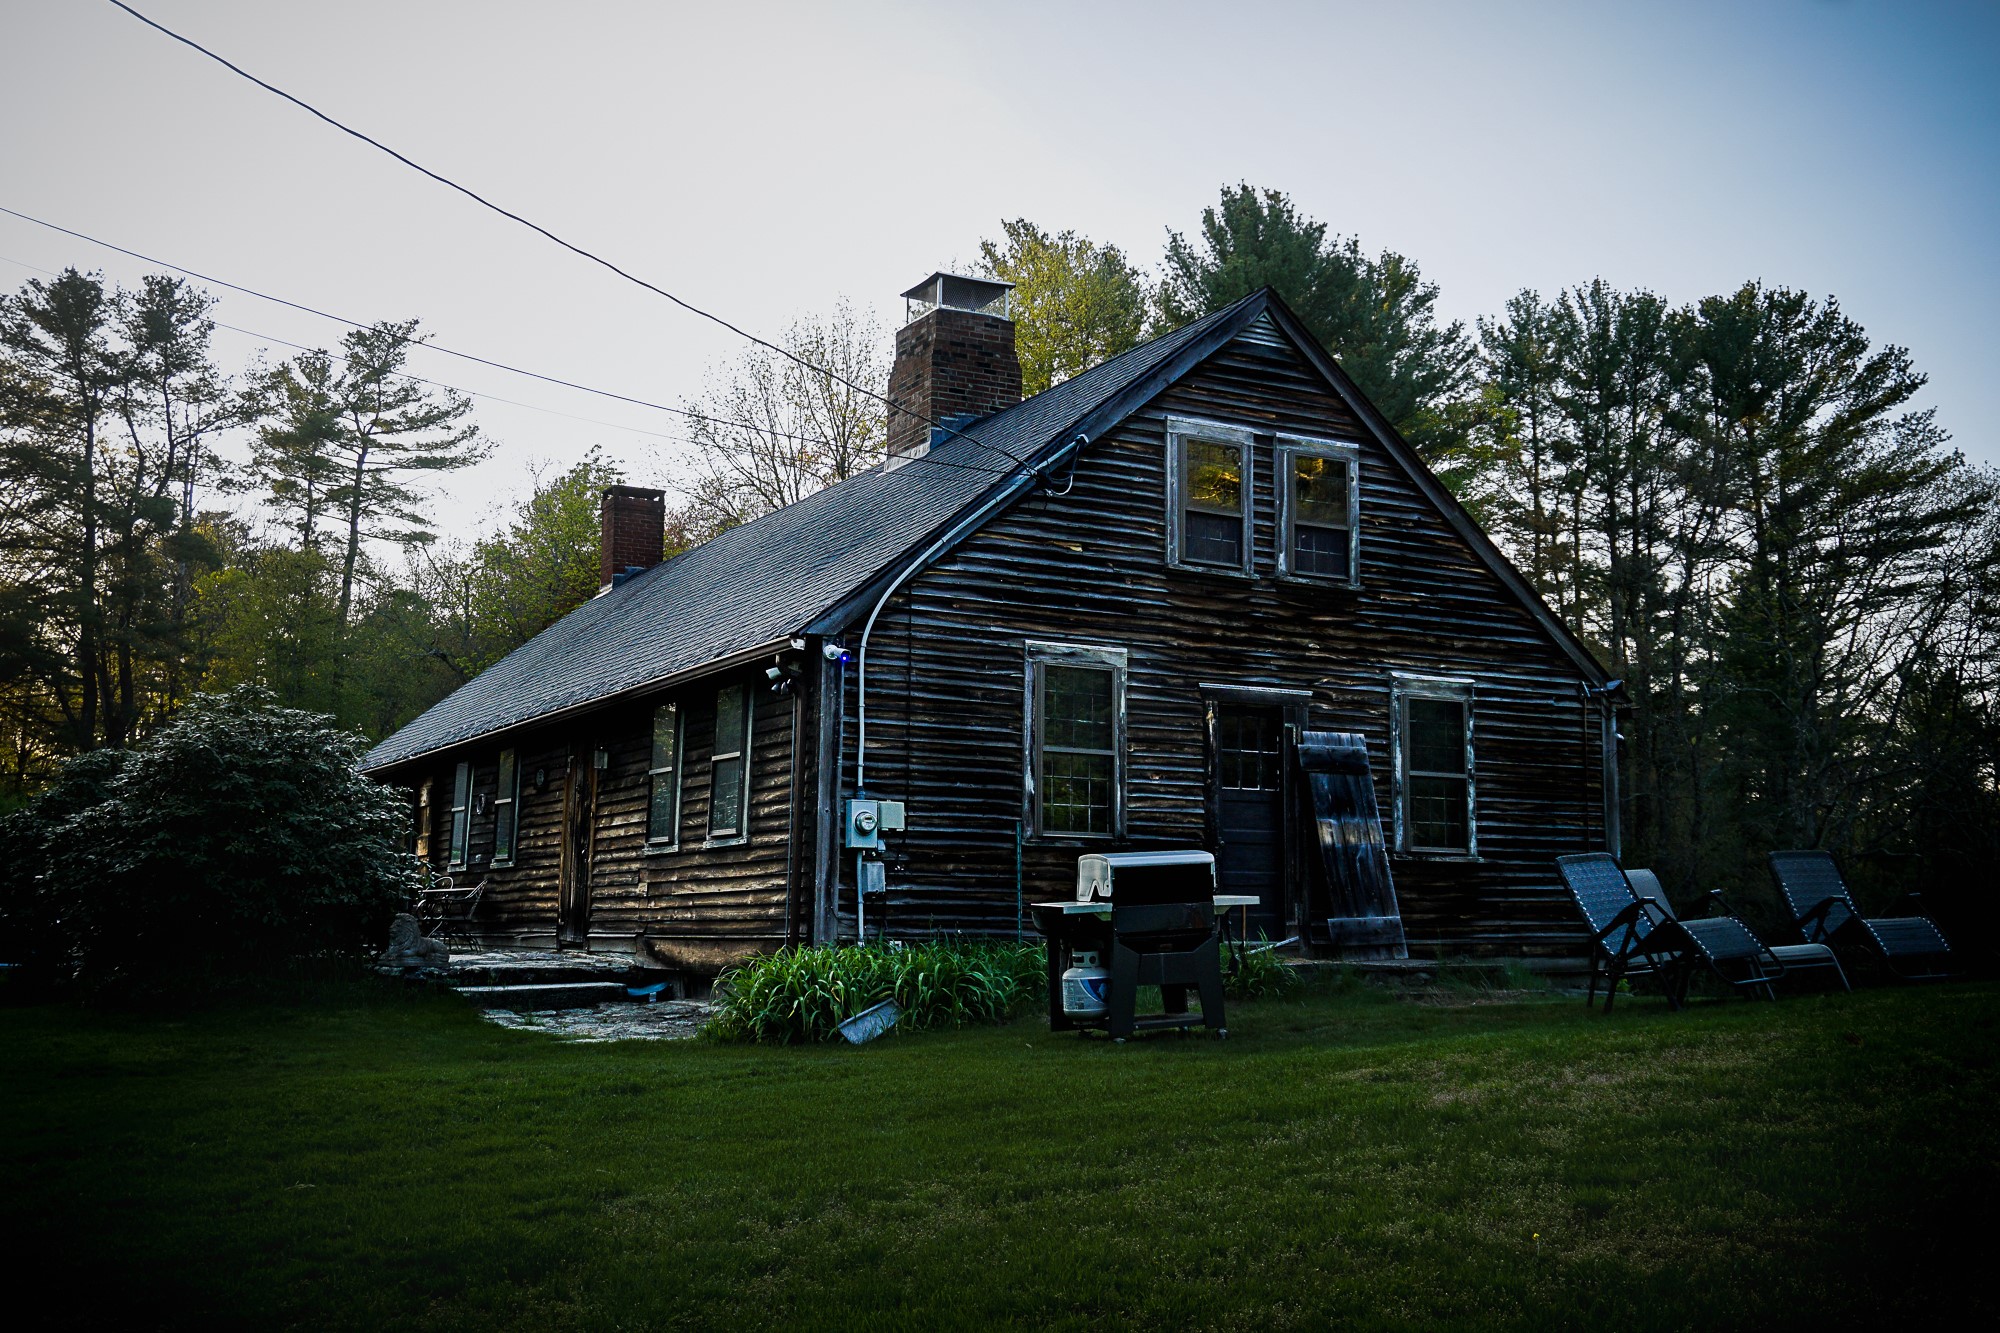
(673, 678)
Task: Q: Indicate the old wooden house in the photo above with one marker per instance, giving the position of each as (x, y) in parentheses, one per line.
(1096, 619)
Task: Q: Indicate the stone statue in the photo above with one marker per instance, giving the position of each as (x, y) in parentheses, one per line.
(409, 948)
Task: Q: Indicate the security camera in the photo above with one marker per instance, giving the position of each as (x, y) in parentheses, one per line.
(833, 652)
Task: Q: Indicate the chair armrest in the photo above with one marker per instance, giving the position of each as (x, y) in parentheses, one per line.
(1817, 912)
(1627, 915)
(1915, 900)
(1717, 898)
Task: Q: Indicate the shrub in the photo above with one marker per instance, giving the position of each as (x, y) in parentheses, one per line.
(804, 994)
(238, 840)
(30, 912)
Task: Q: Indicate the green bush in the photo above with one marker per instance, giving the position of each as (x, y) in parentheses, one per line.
(31, 914)
(240, 839)
(804, 994)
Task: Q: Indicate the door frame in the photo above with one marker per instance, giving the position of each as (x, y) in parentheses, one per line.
(1292, 706)
(579, 837)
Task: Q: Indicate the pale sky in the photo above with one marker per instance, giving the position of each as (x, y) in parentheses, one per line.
(766, 160)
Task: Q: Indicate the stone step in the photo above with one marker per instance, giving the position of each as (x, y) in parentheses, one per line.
(553, 971)
(546, 995)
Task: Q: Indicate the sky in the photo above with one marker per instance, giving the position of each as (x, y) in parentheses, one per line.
(765, 161)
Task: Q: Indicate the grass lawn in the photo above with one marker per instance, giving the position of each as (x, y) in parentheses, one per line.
(386, 1158)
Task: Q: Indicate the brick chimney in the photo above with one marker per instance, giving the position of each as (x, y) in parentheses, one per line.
(954, 358)
(632, 532)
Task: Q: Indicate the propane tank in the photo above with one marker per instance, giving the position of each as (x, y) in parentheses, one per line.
(1085, 986)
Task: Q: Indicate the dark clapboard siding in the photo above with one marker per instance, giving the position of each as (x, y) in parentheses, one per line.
(698, 906)
(946, 672)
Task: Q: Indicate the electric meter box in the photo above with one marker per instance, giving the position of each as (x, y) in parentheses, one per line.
(864, 824)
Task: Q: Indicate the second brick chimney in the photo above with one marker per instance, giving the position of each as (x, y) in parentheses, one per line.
(632, 532)
(954, 358)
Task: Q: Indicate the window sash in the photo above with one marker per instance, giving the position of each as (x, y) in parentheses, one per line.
(728, 769)
(461, 812)
(663, 773)
(1435, 806)
(1076, 772)
(1211, 486)
(1320, 539)
(506, 801)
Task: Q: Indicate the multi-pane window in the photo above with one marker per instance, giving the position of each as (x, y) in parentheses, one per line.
(1319, 511)
(506, 802)
(729, 764)
(663, 810)
(1247, 750)
(1212, 503)
(1434, 725)
(1076, 735)
(1209, 493)
(461, 814)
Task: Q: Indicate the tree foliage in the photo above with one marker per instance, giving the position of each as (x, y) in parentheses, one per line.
(770, 431)
(1735, 504)
(1374, 313)
(238, 839)
(1076, 302)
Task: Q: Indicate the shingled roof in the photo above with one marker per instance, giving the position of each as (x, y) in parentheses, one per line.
(756, 586)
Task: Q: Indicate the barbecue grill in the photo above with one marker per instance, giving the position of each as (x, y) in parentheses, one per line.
(1156, 918)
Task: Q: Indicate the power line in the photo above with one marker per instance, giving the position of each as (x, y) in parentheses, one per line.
(419, 379)
(453, 352)
(570, 246)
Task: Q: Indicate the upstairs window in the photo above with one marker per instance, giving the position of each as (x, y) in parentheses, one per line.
(506, 802)
(1209, 483)
(663, 808)
(1434, 774)
(1076, 725)
(729, 765)
(1318, 497)
(461, 814)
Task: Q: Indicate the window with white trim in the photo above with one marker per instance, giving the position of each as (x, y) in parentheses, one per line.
(461, 813)
(1436, 809)
(663, 774)
(729, 765)
(506, 804)
(1319, 498)
(1075, 740)
(1210, 480)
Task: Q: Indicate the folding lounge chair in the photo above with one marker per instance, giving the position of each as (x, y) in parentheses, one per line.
(1635, 937)
(1912, 946)
(1791, 957)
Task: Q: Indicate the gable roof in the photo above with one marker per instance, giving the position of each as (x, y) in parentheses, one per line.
(747, 592)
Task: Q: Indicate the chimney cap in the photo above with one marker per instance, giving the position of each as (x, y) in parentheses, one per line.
(957, 291)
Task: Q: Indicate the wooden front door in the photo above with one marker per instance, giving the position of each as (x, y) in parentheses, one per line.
(579, 806)
(1249, 780)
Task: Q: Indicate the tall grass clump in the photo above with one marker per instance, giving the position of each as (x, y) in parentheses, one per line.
(1257, 974)
(805, 994)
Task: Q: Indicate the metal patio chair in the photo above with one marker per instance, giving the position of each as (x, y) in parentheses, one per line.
(1634, 936)
(1793, 957)
(442, 907)
(1912, 947)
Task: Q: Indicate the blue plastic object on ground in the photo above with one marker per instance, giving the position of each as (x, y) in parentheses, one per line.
(871, 1022)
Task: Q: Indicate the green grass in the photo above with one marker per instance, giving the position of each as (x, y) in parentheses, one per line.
(386, 1159)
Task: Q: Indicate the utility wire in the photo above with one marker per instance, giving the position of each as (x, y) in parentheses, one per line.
(463, 356)
(570, 246)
